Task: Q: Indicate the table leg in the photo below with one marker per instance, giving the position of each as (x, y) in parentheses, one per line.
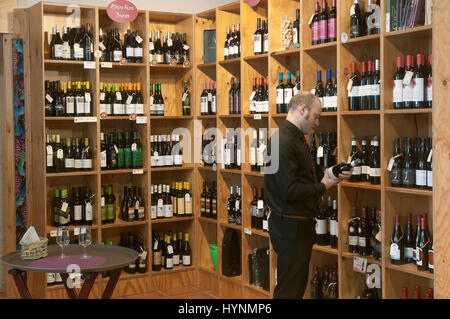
(19, 279)
(71, 292)
(87, 286)
(113, 279)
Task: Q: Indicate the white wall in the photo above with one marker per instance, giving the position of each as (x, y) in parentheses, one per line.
(183, 6)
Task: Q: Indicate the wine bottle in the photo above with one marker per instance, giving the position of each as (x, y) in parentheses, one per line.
(397, 164)
(186, 100)
(323, 23)
(226, 48)
(353, 239)
(429, 164)
(266, 36)
(419, 88)
(409, 246)
(328, 105)
(398, 86)
(296, 27)
(363, 234)
(332, 25)
(334, 226)
(69, 157)
(363, 89)
(237, 205)
(57, 45)
(230, 207)
(316, 286)
(288, 92)
(397, 251)
(355, 155)
(408, 89)
(319, 89)
(321, 228)
(77, 207)
(353, 90)
(375, 174)
(65, 209)
(429, 88)
(421, 167)
(408, 169)
(168, 256)
(186, 251)
(280, 95)
(315, 25)
(258, 39)
(423, 246)
(356, 21)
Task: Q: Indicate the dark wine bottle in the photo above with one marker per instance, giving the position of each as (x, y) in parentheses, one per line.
(356, 21)
(316, 287)
(315, 25)
(408, 169)
(396, 171)
(409, 242)
(419, 100)
(353, 239)
(398, 86)
(423, 246)
(323, 23)
(397, 251)
(353, 90)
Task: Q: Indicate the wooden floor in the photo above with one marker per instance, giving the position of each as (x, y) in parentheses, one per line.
(190, 292)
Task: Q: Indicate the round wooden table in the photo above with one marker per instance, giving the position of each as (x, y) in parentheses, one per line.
(103, 258)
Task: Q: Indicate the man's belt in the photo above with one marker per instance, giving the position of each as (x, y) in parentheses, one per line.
(291, 216)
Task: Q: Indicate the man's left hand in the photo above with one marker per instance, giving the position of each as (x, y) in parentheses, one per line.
(346, 174)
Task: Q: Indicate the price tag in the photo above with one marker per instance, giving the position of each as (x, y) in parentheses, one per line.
(155, 245)
(260, 204)
(169, 42)
(313, 91)
(186, 47)
(170, 250)
(144, 255)
(320, 151)
(257, 117)
(430, 156)
(60, 154)
(295, 90)
(106, 65)
(391, 162)
(102, 96)
(152, 46)
(119, 96)
(98, 54)
(89, 65)
(64, 207)
(141, 119)
(252, 96)
(49, 98)
(344, 37)
(134, 147)
(359, 264)
(139, 39)
(352, 10)
(76, 231)
(310, 20)
(408, 77)
(209, 97)
(49, 150)
(87, 97)
(85, 119)
(115, 148)
(129, 99)
(138, 171)
(350, 85)
(247, 231)
(102, 46)
(335, 152)
(53, 233)
(184, 97)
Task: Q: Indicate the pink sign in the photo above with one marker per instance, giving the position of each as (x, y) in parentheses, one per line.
(252, 3)
(122, 11)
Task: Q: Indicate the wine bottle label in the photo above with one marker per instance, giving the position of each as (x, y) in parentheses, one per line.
(157, 255)
(88, 210)
(409, 177)
(257, 43)
(117, 109)
(50, 160)
(225, 53)
(213, 104)
(353, 240)
(186, 260)
(66, 51)
(178, 160)
(363, 90)
(260, 158)
(265, 225)
(396, 177)
(332, 33)
(180, 202)
(60, 154)
(160, 58)
(316, 31)
(231, 50)
(418, 89)
(375, 90)
(395, 252)
(431, 259)
(409, 252)
(138, 52)
(103, 159)
(70, 105)
(139, 108)
(69, 163)
(153, 212)
(176, 260)
(78, 212)
(168, 212)
(398, 91)
(429, 89)
(419, 256)
(102, 202)
(364, 169)
(421, 177)
(323, 27)
(187, 206)
(430, 178)
(117, 56)
(58, 50)
(321, 227)
(287, 95)
(408, 92)
(78, 53)
(355, 91)
(362, 242)
(357, 170)
(51, 278)
(238, 157)
(333, 228)
(375, 172)
(86, 163)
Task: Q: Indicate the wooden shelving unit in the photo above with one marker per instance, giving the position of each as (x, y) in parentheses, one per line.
(386, 123)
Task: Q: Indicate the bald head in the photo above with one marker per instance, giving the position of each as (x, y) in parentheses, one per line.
(302, 98)
(304, 111)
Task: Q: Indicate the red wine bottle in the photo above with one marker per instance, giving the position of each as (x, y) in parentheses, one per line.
(397, 252)
(316, 288)
(423, 247)
(334, 226)
(354, 90)
(419, 83)
(409, 242)
(429, 89)
(353, 232)
(323, 23)
(356, 21)
(408, 90)
(398, 86)
(363, 236)
(316, 25)
(363, 89)
(332, 26)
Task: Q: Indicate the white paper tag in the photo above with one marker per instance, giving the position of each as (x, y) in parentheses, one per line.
(89, 65)
(139, 39)
(87, 97)
(430, 156)
(247, 231)
(320, 151)
(141, 119)
(313, 91)
(350, 85)
(64, 207)
(85, 119)
(102, 46)
(169, 42)
(359, 264)
(408, 77)
(138, 171)
(129, 99)
(106, 65)
(115, 148)
(53, 233)
(119, 96)
(352, 10)
(186, 47)
(60, 154)
(184, 97)
(310, 20)
(257, 117)
(102, 96)
(49, 98)
(76, 231)
(260, 204)
(391, 162)
(152, 46)
(252, 96)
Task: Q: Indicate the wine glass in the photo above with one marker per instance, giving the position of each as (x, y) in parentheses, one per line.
(85, 239)
(63, 239)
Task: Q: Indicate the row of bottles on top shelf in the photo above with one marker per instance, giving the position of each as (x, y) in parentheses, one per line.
(76, 209)
(67, 154)
(326, 229)
(208, 200)
(122, 150)
(174, 200)
(410, 247)
(113, 49)
(367, 23)
(325, 286)
(412, 168)
(76, 43)
(364, 234)
(413, 86)
(323, 24)
(173, 50)
(364, 91)
(68, 99)
(132, 207)
(170, 251)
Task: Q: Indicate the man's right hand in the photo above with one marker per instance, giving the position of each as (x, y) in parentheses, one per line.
(329, 182)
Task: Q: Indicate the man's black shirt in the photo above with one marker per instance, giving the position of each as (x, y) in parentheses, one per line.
(293, 190)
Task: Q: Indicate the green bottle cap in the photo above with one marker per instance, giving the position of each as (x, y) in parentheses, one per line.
(64, 193)
(57, 192)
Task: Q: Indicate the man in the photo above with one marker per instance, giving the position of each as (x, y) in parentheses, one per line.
(294, 194)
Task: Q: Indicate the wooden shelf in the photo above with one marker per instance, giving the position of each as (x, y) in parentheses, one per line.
(257, 232)
(281, 115)
(177, 269)
(321, 47)
(230, 116)
(370, 259)
(173, 168)
(122, 171)
(257, 58)
(211, 271)
(64, 62)
(207, 220)
(235, 279)
(119, 117)
(368, 39)
(420, 31)
(167, 67)
(207, 169)
(235, 61)
(70, 174)
(252, 116)
(408, 111)
(238, 227)
(230, 171)
(210, 65)
(366, 185)
(284, 53)
(325, 114)
(410, 269)
(326, 249)
(171, 220)
(257, 174)
(206, 117)
(257, 289)
(412, 191)
(377, 112)
(126, 65)
(121, 223)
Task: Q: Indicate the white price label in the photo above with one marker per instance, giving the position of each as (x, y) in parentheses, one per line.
(85, 119)
(115, 148)
(257, 117)
(76, 231)
(106, 65)
(186, 47)
(53, 233)
(344, 37)
(87, 97)
(49, 98)
(320, 151)
(359, 264)
(247, 231)
(141, 119)
(184, 97)
(138, 171)
(169, 42)
(260, 204)
(119, 96)
(64, 207)
(350, 85)
(152, 46)
(102, 46)
(408, 77)
(252, 96)
(310, 20)
(391, 162)
(89, 65)
(313, 91)
(139, 39)
(352, 10)
(430, 156)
